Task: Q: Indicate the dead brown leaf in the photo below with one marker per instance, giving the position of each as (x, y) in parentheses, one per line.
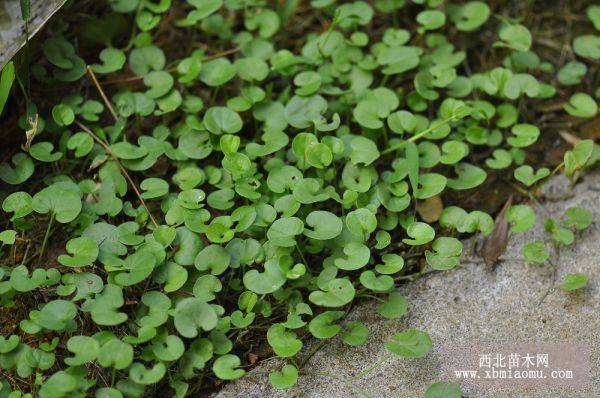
(495, 244)
(252, 358)
(30, 133)
(591, 130)
(430, 209)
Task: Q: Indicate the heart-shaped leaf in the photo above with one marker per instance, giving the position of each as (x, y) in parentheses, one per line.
(286, 378)
(420, 232)
(325, 225)
(284, 342)
(192, 314)
(339, 293)
(526, 175)
(61, 199)
(83, 251)
(355, 334)
(265, 282)
(323, 326)
(226, 367)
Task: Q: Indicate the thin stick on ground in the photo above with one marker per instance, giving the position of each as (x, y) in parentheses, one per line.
(221, 54)
(112, 155)
(102, 94)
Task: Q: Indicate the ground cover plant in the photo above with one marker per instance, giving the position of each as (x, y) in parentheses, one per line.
(205, 184)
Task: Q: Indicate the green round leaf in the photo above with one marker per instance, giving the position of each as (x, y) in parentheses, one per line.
(284, 230)
(535, 252)
(84, 251)
(220, 120)
(574, 282)
(420, 232)
(411, 343)
(191, 314)
(286, 378)
(443, 389)
(226, 367)
(323, 326)
(394, 307)
(355, 334)
(339, 293)
(325, 225)
(582, 105)
(284, 342)
(61, 199)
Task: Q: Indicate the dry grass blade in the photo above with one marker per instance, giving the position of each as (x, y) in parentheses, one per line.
(495, 244)
(102, 94)
(112, 155)
(568, 137)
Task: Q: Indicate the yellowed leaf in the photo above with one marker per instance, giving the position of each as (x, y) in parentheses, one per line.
(430, 209)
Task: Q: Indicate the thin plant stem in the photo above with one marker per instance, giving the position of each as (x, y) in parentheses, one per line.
(373, 297)
(334, 23)
(113, 377)
(46, 236)
(519, 189)
(384, 80)
(301, 255)
(557, 169)
(416, 275)
(373, 367)
(311, 354)
(385, 135)
(419, 135)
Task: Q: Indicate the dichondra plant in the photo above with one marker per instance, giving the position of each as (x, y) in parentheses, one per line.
(207, 177)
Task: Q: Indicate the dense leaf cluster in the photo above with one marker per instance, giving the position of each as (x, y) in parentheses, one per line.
(258, 188)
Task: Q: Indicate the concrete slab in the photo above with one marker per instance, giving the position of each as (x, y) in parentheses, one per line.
(12, 26)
